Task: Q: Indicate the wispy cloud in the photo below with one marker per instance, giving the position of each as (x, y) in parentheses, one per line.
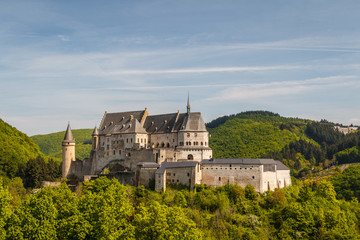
(281, 88)
(63, 38)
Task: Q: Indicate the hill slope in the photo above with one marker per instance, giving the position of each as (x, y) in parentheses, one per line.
(300, 144)
(15, 148)
(50, 144)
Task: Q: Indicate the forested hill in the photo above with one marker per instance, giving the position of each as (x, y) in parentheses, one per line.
(50, 144)
(301, 144)
(15, 148)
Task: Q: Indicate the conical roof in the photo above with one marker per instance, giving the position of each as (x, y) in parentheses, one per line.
(95, 132)
(68, 134)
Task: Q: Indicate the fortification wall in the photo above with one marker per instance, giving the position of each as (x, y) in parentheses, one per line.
(217, 175)
(283, 178)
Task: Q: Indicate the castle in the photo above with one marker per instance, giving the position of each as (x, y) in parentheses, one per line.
(139, 148)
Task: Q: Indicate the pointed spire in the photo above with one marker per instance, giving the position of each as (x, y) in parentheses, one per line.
(68, 134)
(96, 131)
(188, 104)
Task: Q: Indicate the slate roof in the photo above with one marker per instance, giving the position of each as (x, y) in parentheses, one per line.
(245, 161)
(164, 123)
(148, 165)
(166, 165)
(68, 135)
(281, 166)
(122, 122)
(194, 122)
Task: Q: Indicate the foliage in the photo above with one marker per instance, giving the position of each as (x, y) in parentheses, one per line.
(37, 170)
(15, 148)
(347, 184)
(247, 138)
(349, 155)
(50, 144)
(105, 209)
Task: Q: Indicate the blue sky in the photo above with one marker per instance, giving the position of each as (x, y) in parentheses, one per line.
(72, 60)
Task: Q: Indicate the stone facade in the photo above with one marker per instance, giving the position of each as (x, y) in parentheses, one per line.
(140, 149)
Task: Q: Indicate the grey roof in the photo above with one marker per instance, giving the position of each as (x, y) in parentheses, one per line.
(281, 166)
(160, 123)
(166, 165)
(148, 165)
(246, 161)
(68, 134)
(95, 132)
(130, 122)
(124, 122)
(194, 122)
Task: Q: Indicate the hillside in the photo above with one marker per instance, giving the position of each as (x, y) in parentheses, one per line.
(301, 144)
(15, 148)
(50, 144)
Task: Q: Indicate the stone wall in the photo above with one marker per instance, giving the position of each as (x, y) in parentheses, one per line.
(144, 176)
(217, 175)
(283, 178)
(79, 168)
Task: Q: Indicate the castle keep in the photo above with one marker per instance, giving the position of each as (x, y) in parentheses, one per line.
(137, 148)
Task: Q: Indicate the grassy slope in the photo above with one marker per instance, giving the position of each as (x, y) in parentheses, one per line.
(50, 144)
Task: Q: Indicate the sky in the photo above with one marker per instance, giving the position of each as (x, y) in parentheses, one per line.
(70, 61)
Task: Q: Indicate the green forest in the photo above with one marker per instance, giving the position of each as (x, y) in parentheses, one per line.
(105, 209)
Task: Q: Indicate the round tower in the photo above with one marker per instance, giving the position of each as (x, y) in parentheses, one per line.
(68, 152)
(95, 138)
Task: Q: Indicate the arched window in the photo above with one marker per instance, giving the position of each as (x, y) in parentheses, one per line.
(190, 157)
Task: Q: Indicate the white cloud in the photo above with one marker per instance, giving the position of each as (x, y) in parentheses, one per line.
(281, 88)
(63, 38)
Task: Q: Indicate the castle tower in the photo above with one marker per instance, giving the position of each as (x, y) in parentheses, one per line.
(68, 152)
(95, 138)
